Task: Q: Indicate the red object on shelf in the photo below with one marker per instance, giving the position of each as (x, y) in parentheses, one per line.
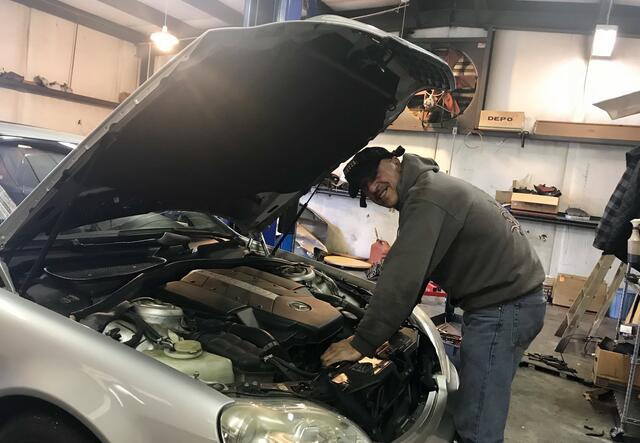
(379, 250)
(433, 290)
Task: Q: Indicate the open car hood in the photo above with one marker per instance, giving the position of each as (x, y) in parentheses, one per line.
(240, 123)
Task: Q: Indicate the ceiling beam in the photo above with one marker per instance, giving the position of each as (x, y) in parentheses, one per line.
(75, 15)
(577, 18)
(217, 9)
(153, 16)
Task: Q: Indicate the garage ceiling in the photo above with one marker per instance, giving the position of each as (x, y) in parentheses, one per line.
(135, 20)
(572, 16)
(350, 5)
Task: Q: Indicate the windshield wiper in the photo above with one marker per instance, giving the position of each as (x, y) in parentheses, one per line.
(183, 231)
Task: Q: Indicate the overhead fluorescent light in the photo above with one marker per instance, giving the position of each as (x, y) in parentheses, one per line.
(164, 40)
(604, 40)
(622, 106)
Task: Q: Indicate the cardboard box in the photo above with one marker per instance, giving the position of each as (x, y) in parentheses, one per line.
(501, 120)
(503, 197)
(566, 290)
(612, 366)
(534, 203)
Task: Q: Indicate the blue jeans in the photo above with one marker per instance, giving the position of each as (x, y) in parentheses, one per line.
(493, 342)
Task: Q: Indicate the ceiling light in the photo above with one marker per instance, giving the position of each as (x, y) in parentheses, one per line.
(164, 40)
(604, 40)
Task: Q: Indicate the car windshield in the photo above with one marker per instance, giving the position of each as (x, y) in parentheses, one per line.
(157, 221)
(23, 167)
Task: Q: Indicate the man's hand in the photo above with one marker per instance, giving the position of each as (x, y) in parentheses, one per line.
(340, 351)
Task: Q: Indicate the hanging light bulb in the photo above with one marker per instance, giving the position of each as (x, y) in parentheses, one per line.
(164, 40)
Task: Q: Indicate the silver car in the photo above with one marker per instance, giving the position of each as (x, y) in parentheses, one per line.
(130, 312)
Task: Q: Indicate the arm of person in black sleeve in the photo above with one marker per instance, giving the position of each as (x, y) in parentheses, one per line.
(426, 232)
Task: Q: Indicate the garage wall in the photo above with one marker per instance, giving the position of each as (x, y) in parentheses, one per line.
(92, 63)
(548, 76)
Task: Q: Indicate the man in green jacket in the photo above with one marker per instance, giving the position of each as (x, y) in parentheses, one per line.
(458, 236)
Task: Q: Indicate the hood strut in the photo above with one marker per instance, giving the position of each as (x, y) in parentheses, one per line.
(292, 225)
(37, 265)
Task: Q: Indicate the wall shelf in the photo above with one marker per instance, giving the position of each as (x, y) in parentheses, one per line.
(554, 220)
(557, 138)
(558, 220)
(33, 88)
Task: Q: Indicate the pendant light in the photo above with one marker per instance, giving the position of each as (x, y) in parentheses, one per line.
(164, 40)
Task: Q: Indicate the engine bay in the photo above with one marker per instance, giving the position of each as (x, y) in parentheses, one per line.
(257, 328)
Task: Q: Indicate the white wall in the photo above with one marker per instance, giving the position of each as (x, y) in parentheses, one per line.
(586, 174)
(550, 76)
(92, 63)
(542, 74)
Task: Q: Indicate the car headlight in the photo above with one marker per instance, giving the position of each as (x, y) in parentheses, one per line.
(286, 421)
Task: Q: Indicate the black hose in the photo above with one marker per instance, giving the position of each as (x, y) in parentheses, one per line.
(340, 302)
(363, 295)
(284, 366)
(142, 328)
(134, 341)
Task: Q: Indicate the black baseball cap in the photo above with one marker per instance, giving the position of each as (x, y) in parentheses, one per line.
(364, 166)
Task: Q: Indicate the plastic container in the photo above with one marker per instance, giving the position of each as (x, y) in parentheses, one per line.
(378, 251)
(189, 358)
(615, 304)
(547, 288)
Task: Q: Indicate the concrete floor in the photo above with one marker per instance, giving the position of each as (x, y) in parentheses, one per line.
(548, 408)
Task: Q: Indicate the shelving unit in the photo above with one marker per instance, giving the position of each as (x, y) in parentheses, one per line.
(627, 403)
(554, 220)
(32, 88)
(559, 220)
(526, 136)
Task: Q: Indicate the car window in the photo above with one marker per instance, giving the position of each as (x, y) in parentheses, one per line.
(22, 168)
(17, 178)
(42, 162)
(7, 205)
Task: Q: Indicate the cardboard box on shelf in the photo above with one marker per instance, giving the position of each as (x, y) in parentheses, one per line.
(612, 366)
(534, 203)
(567, 287)
(503, 197)
(501, 120)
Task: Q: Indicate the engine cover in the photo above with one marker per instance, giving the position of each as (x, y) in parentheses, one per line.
(280, 305)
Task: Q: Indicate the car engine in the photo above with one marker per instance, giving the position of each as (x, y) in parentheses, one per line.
(259, 330)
